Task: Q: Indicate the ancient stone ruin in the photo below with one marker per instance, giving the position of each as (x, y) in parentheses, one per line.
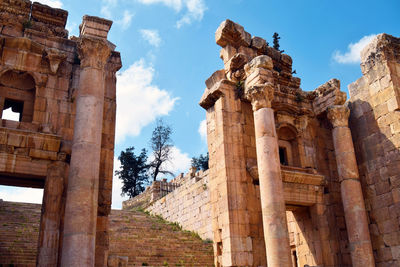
(285, 185)
(64, 92)
(296, 178)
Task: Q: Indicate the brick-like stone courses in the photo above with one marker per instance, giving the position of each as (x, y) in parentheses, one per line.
(375, 121)
(142, 238)
(188, 205)
(302, 129)
(149, 240)
(35, 48)
(19, 233)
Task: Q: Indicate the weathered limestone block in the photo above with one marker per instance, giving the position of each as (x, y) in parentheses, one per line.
(327, 95)
(231, 33)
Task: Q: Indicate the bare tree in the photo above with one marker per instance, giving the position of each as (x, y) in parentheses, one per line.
(161, 144)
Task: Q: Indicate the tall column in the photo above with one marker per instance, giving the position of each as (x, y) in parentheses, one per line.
(51, 217)
(269, 170)
(350, 187)
(83, 180)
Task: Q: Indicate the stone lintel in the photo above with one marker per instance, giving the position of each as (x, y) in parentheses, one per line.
(95, 27)
(210, 96)
(327, 95)
(338, 115)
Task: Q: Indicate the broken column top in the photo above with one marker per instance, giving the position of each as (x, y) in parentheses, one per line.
(95, 27)
(383, 47)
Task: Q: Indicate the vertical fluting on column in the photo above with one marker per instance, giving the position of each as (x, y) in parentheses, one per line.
(51, 217)
(271, 187)
(83, 180)
(350, 187)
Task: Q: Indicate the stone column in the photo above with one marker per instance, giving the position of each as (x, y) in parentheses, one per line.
(51, 216)
(269, 170)
(83, 181)
(350, 187)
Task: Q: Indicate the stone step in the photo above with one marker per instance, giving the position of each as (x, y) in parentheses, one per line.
(144, 239)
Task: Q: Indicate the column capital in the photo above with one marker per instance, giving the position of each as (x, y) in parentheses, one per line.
(93, 52)
(339, 115)
(260, 95)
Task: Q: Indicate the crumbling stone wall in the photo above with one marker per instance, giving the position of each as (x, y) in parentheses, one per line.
(188, 204)
(375, 123)
(65, 91)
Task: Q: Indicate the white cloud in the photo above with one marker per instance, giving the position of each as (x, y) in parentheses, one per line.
(180, 162)
(194, 9)
(52, 3)
(203, 130)
(21, 194)
(151, 36)
(116, 190)
(353, 52)
(72, 28)
(126, 20)
(139, 101)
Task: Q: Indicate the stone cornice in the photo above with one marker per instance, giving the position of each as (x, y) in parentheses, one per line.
(338, 115)
(219, 89)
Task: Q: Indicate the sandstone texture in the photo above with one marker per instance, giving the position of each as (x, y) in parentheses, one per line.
(64, 90)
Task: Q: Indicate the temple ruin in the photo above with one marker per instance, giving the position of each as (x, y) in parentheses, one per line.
(296, 178)
(64, 91)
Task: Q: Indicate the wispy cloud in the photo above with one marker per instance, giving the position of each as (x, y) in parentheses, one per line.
(203, 130)
(151, 36)
(194, 9)
(139, 100)
(52, 3)
(352, 55)
(126, 20)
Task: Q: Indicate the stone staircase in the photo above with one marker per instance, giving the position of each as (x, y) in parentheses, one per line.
(145, 240)
(19, 233)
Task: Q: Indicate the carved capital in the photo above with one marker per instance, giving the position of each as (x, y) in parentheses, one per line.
(93, 52)
(260, 96)
(339, 115)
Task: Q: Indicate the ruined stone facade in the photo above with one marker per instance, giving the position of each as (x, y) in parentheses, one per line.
(287, 185)
(64, 91)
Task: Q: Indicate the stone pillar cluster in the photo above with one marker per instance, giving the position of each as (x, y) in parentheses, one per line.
(350, 188)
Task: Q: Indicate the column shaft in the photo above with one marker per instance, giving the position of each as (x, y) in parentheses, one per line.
(51, 216)
(352, 197)
(350, 187)
(83, 181)
(271, 190)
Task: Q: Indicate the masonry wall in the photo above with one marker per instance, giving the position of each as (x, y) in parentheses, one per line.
(188, 205)
(375, 125)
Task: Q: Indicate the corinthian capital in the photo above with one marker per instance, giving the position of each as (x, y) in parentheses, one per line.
(339, 115)
(93, 52)
(260, 95)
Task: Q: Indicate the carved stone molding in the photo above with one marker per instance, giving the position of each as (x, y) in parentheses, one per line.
(93, 52)
(339, 115)
(260, 96)
(55, 58)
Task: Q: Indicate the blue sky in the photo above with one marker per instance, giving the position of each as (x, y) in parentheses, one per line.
(168, 50)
